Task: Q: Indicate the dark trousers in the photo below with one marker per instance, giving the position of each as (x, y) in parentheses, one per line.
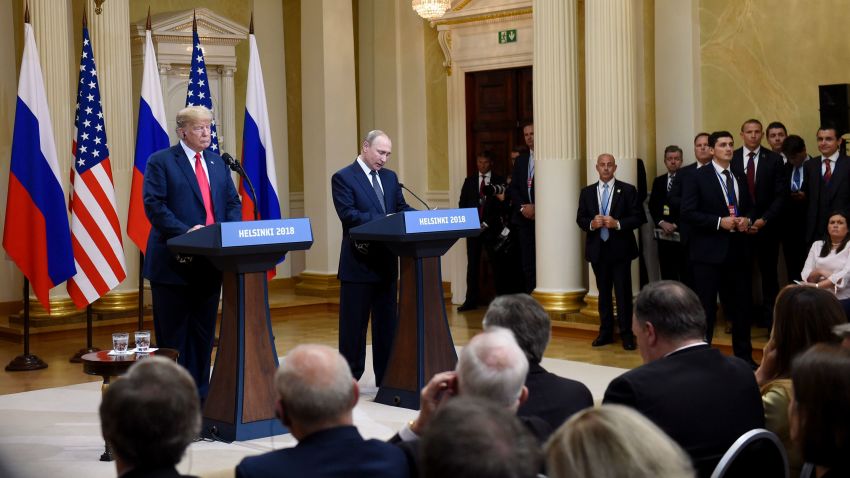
(184, 319)
(733, 283)
(529, 257)
(473, 266)
(765, 248)
(795, 250)
(670, 260)
(616, 276)
(357, 301)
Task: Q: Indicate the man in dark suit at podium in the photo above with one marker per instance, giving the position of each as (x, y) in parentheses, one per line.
(186, 188)
(362, 192)
(609, 212)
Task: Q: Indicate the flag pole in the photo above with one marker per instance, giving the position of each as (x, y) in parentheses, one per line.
(78, 357)
(27, 361)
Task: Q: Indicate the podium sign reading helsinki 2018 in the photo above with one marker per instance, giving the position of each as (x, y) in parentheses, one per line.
(240, 404)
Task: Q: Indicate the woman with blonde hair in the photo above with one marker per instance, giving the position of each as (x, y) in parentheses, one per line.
(614, 441)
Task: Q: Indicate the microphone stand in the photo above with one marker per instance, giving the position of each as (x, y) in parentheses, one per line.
(237, 168)
(414, 195)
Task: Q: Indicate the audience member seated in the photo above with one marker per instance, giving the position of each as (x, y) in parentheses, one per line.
(803, 316)
(819, 414)
(491, 367)
(550, 397)
(828, 263)
(149, 417)
(614, 441)
(474, 438)
(316, 396)
(702, 399)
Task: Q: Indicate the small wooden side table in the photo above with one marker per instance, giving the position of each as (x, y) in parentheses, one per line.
(107, 366)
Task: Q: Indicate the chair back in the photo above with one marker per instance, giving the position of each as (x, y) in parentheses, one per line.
(756, 453)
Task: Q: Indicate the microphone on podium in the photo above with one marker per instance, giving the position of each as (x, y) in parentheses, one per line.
(414, 195)
(233, 164)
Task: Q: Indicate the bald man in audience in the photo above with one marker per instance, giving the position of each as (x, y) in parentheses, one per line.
(316, 396)
(702, 399)
(550, 397)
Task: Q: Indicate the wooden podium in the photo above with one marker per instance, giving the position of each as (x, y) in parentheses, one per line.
(240, 403)
(423, 342)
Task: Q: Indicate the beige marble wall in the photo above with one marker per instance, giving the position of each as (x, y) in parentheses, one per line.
(765, 59)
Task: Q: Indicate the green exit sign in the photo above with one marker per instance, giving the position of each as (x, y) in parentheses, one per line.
(507, 36)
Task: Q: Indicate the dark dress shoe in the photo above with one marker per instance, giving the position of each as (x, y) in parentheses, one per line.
(601, 340)
(629, 343)
(465, 307)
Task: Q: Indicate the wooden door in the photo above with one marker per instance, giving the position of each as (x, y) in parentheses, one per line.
(498, 103)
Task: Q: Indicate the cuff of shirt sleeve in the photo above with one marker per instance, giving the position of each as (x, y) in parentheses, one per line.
(718, 223)
(406, 434)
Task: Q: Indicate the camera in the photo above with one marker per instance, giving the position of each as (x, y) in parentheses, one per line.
(491, 190)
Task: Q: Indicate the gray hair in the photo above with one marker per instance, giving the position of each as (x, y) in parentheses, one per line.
(492, 366)
(315, 384)
(673, 309)
(151, 414)
(470, 437)
(372, 135)
(525, 317)
(614, 441)
(193, 114)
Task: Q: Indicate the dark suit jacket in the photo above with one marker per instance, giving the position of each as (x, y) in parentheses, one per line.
(335, 452)
(793, 218)
(518, 189)
(492, 208)
(552, 398)
(683, 177)
(356, 203)
(625, 208)
(702, 399)
(825, 199)
(173, 204)
(157, 473)
(770, 185)
(703, 203)
(658, 198)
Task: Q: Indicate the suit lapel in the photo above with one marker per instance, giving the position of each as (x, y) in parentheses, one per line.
(837, 171)
(615, 197)
(183, 165)
(366, 185)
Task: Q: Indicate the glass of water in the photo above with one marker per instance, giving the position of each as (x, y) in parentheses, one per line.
(143, 340)
(119, 342)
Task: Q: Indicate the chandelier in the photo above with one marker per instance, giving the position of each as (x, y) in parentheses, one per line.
(431, 9)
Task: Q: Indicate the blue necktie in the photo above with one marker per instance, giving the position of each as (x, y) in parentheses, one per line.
(604, 233)
(795, 185)
(380, 192)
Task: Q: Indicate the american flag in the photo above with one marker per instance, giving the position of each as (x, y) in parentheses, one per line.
(198, 93)
(95, 230)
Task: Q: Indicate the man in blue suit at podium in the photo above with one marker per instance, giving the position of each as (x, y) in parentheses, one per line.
(186, 188)
(362, 192)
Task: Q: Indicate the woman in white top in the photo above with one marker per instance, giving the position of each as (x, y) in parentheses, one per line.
(828, 264)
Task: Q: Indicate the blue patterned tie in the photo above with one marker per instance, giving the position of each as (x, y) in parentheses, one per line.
(604, 233)
(795, 186)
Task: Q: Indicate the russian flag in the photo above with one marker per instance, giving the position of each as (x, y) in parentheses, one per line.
(257, 151)
(36, 235)
(151, 136)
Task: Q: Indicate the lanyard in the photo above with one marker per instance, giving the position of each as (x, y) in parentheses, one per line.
(604, 208)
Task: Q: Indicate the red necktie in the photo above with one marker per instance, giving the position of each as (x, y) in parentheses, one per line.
(751, 176)
(205, 189)
(828, 173)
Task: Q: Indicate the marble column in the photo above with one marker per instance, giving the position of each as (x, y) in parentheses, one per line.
(227, 111)
(611, 48)
(557, 156)
(51, 22)
(110, 37)
(329, 123)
